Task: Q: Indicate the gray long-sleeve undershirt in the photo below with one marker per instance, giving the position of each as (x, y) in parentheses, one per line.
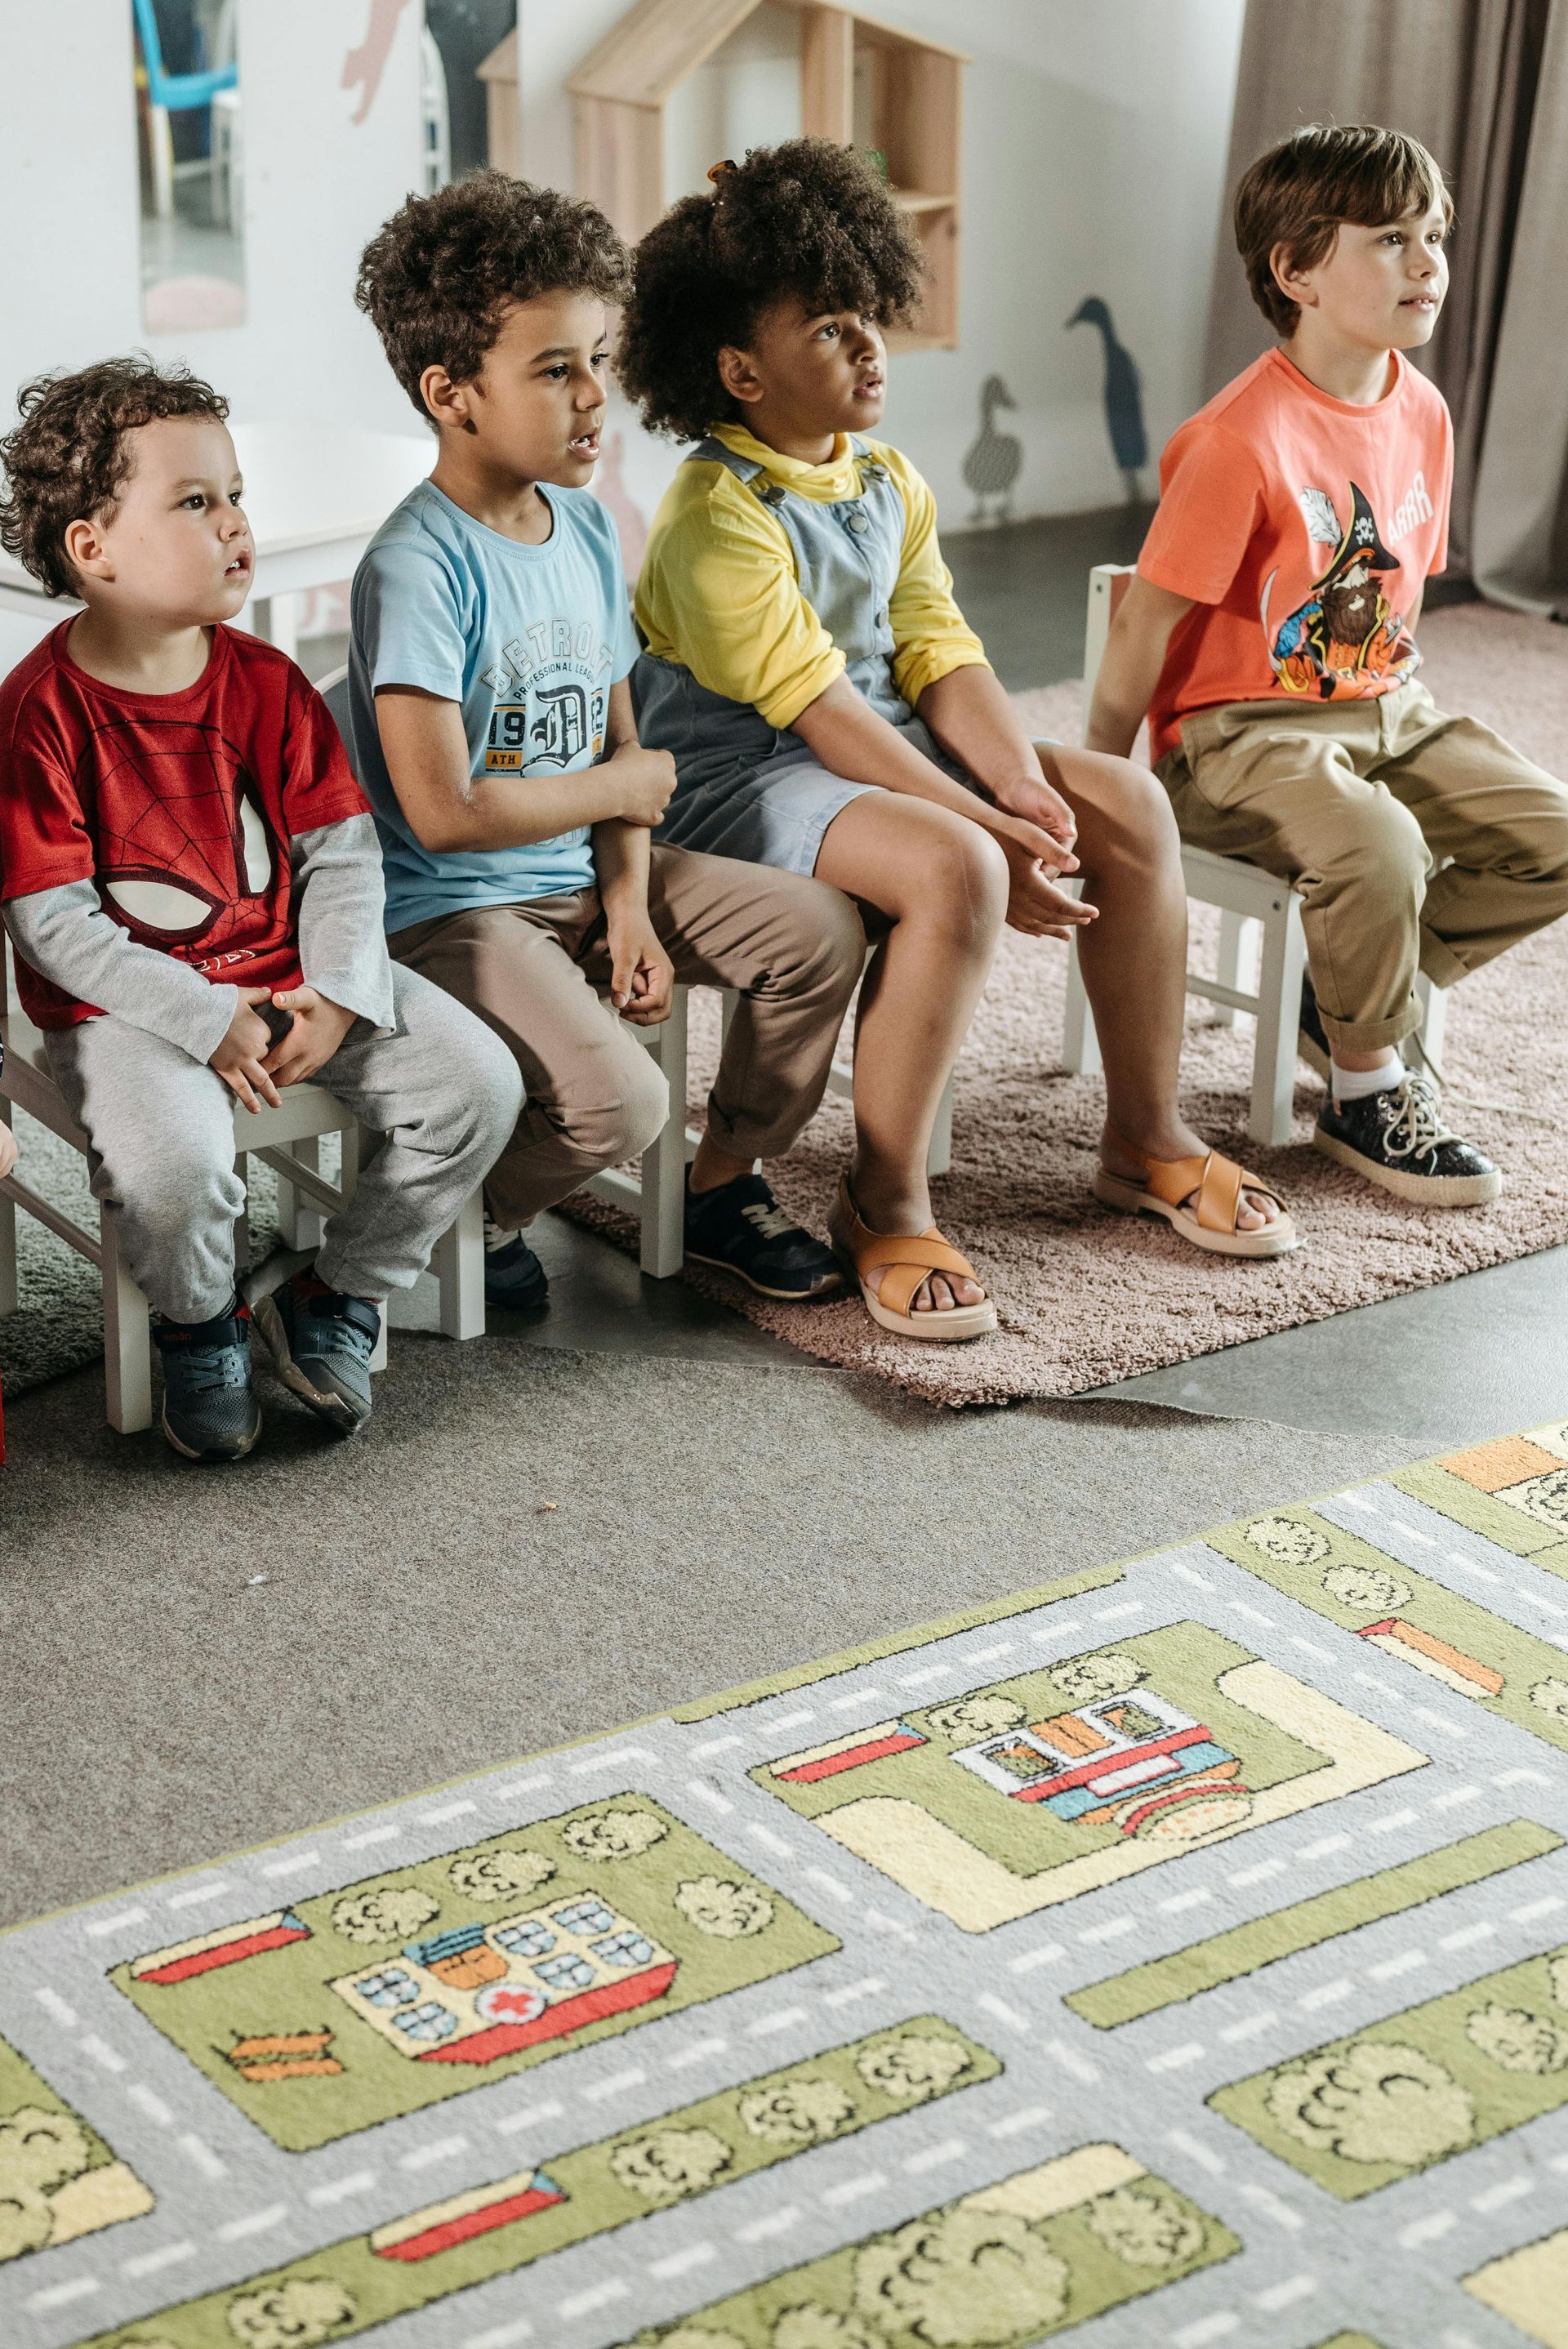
(64, 935)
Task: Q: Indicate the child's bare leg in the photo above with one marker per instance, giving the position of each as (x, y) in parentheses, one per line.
(1134, 959)
(942, 882)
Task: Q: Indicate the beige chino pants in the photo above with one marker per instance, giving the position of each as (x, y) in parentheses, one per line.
(1354, 803)
(792, 947)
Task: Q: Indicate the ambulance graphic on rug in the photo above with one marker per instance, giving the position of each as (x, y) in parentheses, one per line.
(481, 1991)
(1129, 1760)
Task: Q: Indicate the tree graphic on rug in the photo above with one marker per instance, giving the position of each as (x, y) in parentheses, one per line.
(58, 2179)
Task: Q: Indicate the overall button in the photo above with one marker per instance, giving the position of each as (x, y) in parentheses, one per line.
(858, 523)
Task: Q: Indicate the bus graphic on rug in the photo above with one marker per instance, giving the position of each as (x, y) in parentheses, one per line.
(1124, 1758)
(483, 1991)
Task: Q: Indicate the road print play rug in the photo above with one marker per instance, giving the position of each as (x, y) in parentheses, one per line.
(1177, 1955)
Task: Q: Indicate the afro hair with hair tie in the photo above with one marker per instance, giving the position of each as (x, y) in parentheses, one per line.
(808, 220)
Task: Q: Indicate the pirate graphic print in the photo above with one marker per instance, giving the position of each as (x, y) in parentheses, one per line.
(1347, 642)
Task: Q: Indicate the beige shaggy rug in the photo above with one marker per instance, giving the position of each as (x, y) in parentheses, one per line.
(1085, 1297)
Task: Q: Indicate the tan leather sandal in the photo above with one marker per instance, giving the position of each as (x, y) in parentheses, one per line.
(909, 1259)
(1168, 1184)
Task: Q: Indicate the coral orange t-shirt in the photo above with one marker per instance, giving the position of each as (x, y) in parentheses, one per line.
(1304, 529)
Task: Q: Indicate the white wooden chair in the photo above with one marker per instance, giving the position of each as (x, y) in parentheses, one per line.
(658, 1198)
(1248, 900)
(288, 1138)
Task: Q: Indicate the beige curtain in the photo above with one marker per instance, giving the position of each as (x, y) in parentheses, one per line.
(1484, 84)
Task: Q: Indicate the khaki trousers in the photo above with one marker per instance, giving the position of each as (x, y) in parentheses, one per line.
(592, 1096)
(1354, 803)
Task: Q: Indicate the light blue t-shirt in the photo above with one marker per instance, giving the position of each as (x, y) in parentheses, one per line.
(529, 639)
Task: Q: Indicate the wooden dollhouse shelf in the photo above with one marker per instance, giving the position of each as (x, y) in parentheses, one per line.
(862, 83)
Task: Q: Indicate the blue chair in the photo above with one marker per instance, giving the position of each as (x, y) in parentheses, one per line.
(169, 94)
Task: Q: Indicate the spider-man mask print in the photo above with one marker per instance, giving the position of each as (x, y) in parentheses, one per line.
(186, 858)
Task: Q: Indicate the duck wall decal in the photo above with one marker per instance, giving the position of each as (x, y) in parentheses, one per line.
(1123, 398)
(994, 460)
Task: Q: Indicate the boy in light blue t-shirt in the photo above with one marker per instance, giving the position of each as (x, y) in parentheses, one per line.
(493, 733)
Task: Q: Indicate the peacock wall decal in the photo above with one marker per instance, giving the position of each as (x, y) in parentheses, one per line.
(1123, 399)
(994, 460)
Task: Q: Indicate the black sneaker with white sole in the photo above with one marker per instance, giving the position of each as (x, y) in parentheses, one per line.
(210, 1408)
(1397, 1138)
(515, 1278)
(741, 1228)
(321, 1342)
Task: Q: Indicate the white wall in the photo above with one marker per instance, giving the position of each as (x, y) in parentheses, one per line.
(316, 185)
(1095, 134)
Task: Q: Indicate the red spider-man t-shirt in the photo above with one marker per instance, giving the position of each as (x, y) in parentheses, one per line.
(178, 806)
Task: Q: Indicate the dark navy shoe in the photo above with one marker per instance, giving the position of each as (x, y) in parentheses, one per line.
(515, 1278)
(741, 1228)
(321, 1342)
(209, 1407)
(1312, 1041)
(1397, 1138)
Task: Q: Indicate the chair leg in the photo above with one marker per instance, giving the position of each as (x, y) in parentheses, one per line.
(299, 1221)
(1434, 1003)
(8, 1238)
(1080, 1044)
(939, 1157)
(127, 1340)
(1233, 933)
(1279, 1012)
(458, 1264)
(359, 1147)
(663, 1235)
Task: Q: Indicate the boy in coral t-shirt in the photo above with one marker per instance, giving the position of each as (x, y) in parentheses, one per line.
(1270, 636)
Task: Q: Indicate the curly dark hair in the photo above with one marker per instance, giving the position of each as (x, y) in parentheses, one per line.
(808, 219)
(66, 460)
(436, 280)
(1305, 189)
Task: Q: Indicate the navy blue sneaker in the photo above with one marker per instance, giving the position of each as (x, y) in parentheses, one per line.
(209, 1407)
(515, 1278)
(741, 1228)
(321, 1342)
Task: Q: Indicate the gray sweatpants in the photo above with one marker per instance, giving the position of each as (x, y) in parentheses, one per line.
(442, 1089)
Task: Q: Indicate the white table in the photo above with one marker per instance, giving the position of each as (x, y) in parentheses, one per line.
(315, 494)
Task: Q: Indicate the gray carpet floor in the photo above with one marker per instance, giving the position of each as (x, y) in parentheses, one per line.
(424, 1613)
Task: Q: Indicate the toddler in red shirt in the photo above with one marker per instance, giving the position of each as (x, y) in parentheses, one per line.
(1269, 634)
(192, 882)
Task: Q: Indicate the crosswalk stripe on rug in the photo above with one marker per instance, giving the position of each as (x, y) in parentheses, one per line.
(1181, 1946)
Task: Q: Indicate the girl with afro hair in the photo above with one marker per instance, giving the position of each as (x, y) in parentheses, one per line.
(830, 712)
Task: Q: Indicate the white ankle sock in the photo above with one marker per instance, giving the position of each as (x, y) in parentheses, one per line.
(1354, 1084)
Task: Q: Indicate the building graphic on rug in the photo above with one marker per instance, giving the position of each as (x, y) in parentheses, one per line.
(373, 1999)
(480, 1991)
(58, 2179)
(1002, 2267)
(353, 2285)
(1514, 1491)
(999, 1803)
(1419, 2086)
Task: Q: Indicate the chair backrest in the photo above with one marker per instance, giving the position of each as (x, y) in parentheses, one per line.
(1108, 584)
(176, 93)
(333, 691)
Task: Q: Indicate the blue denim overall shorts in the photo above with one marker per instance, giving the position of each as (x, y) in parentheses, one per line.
(744, 788)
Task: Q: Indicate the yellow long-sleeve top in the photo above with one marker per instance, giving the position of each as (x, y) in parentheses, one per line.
(718, 591)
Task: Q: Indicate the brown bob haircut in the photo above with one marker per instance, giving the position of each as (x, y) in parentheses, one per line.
(1321, 177)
